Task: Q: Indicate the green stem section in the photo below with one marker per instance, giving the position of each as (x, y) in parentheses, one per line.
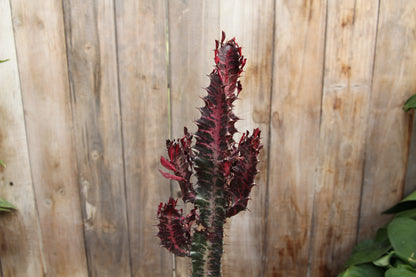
(215, 245)
(207, 244)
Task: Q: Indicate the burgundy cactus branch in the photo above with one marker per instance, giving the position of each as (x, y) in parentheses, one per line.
(180, 162)
(224, 170)
(175, 229)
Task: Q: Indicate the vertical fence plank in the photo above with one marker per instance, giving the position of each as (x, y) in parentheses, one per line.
(41, 54)
(389, 126)
(193, 27)
(252, 25)
(296, 106)
(141, 37)
(20, 251)
(351, 32)
(92, 61)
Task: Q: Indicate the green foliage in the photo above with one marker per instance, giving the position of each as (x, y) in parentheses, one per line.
(405, 205)
(2, 61)
(367, 251)
(410, 103)
(6, 206)
(362, 270)
(402, 235)
(401, 271)
(393, 251)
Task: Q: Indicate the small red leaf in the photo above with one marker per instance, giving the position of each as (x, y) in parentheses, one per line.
(227, 167)
(167, 164)
(171, 150)
(172, 177)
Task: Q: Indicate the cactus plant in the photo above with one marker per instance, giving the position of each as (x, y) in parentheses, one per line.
(224, 170)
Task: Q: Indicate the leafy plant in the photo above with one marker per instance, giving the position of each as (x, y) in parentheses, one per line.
(224, 170)
(393, 251)
(6, 206)
(410, 103)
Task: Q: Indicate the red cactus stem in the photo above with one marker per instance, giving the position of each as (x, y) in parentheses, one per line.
(215, 145)
(175, 229)
(180, 162)
(225, 171)
(243, 170)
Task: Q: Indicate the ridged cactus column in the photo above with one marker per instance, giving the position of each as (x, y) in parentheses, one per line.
(224, 169)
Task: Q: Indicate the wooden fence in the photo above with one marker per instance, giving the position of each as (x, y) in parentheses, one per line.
(94, 88)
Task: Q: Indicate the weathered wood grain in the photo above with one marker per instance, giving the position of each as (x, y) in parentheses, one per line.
(295, 117)
(142, 62)
(193, 29)
(389, 127)
(91, 45)
(251, 24)
(20, 240)
(325, 82)
(40, 42)
(350, 45)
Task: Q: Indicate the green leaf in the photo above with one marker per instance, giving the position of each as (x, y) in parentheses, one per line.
(385, 260)
(407, 203)
(3, 164)
(410, 103)
(6, 206)
(402, 235)
(408, 213)
(367, 251)
(381, 235)
(411, 196)
(363, 270)
(2, 61)
(400, 272)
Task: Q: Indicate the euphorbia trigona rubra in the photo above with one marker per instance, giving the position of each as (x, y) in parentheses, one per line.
(224, 169)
